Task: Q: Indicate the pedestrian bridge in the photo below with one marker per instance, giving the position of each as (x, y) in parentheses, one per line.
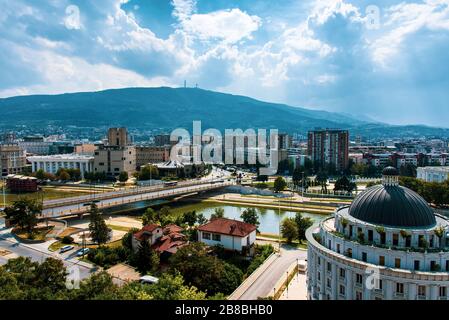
(80, 205)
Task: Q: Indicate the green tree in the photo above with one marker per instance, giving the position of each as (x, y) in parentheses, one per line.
(40, 174)
(123, 176)
(172, 287)
(218, 213)
(51, 274)
(147, 260)
(99, 231)
(148, 172)
(279, 184)
(289, 229)
(190, 218)
(249, 215)
(150, 216)
(302, 224)
(128, 238)
(344, 184)
(201, 219)
(24, 213)
(321, 179)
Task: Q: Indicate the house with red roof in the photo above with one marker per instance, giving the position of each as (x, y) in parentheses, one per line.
(231, 234)
(165, 241)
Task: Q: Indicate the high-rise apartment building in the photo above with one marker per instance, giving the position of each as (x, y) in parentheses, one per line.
(329, 147)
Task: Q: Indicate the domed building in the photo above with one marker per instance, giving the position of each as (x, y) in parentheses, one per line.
(388, 244)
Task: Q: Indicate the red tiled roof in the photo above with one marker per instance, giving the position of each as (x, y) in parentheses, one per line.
(172, 228)
(142, 233)
(228, 227)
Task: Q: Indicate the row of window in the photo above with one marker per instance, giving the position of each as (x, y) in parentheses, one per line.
(397, 261)
(399, 290)
(214, 236)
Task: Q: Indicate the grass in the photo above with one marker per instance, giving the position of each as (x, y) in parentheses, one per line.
(38, 234)
(119, 228)
(296, 243)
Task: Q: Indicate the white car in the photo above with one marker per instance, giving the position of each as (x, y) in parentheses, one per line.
(82, 252)
(65, 249)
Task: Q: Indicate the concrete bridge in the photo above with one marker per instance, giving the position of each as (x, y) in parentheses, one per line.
(80, 205)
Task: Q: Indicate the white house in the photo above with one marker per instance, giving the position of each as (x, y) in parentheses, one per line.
(433, 174)
(231, 234)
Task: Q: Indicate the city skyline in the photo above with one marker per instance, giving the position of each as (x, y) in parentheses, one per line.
(329, 55)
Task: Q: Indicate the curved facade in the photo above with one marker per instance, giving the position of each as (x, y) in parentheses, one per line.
(357, 256)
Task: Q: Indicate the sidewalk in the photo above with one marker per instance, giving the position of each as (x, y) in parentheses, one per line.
(297, 289)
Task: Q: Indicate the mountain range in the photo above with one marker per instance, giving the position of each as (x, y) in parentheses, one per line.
(169, 108)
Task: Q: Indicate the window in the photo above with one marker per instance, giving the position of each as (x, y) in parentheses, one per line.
(443, 291)
(319, 276)
(416, 265)
(364, 257)
(422, 291)
(349, 253)
(370, 235)
(379, 284)
(338, 248)
(358, 278)
(350, 230)
(447, 265)
(101, 164)
(399, 288)
(433, 266)
(342, 273)
(216, 237)
(358, 295)
(206, 235)
(342, 290)
(397, 263)
(328, 283)
(330, 244)
(395, 239)
(329, 267)
(381, 260)
(319, 261)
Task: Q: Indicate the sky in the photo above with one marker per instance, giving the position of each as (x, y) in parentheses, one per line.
(387, 60)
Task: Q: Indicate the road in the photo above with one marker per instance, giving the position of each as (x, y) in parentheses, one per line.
(39, 252)
(265, 283)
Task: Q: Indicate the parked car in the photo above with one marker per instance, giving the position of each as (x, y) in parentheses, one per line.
(149, 279)
(82, 252)
(65, 249)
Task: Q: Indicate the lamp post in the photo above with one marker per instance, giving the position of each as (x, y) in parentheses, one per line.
(279, 214)
(287, 284)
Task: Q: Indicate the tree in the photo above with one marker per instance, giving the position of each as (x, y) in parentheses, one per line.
(321, 179)
(289, 229)
(344, 184)
(147, 260)
(51, 274)
(302, 224)
(99, 231)
(190, 218)
(279, 184)
(127, 240)
(172, 287)
(218, 213)
(150, 216)
(123, 176)
(249, 215)
(201, 219)
(24, 213)
(207, 273)
(148, 172)
(40, 174)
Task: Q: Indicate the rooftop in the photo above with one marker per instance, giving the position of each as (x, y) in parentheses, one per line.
(228, 227)
(62, 157)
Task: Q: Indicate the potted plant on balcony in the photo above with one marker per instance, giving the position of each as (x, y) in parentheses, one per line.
(439, 232)
(344, 224)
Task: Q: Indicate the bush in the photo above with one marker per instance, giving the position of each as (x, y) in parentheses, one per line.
(67, 240)
(106, 257)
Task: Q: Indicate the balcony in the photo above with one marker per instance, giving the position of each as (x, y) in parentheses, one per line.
(421, 297)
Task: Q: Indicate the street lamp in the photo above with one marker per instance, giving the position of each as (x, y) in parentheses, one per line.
(279, 214)
(287, 284)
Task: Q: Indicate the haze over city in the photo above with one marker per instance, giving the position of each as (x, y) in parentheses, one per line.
(328, 55)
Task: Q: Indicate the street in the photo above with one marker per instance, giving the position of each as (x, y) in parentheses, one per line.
(264, 284)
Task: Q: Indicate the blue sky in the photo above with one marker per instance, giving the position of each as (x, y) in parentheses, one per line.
(388, 62)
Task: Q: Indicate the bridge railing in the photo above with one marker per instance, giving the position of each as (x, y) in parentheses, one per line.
(149, 196)
(117, 194)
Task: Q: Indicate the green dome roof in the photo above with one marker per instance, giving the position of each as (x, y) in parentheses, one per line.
(393, 206)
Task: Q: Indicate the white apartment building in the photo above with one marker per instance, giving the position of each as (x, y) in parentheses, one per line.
(433, 174)
(53, 163)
